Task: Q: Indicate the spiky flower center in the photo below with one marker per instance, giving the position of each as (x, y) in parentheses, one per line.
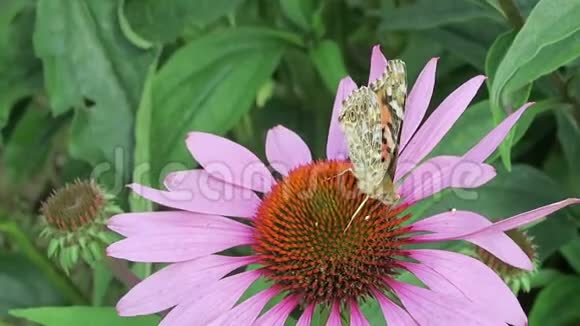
(73, 206)
(305, 246)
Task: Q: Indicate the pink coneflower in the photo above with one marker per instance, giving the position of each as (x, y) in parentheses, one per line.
(295, 227)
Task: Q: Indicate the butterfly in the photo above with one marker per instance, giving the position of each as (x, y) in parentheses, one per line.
(371, 119)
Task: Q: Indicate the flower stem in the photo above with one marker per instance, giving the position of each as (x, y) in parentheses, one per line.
(121, 271)
(54, 275)
(512, 13)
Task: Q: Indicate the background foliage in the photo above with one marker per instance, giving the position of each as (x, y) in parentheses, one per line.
(110, 88)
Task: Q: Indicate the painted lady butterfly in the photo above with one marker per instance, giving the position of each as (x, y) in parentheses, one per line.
(371, 119)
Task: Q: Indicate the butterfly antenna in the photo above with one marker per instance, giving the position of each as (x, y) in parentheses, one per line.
(356, 212)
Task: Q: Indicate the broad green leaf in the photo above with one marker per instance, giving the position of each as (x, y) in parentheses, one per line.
(226, 70)
(571, 251)
(568, 135)
(164, 21)
(88, 60)
(78, 315)
(28, 149)
(510, 193)
(548, 39)
(557, 304)
(142, 156)
(23, 285)
(328, 59)
(543, 277)
(20, 72)
(468, 49)
(496, 54)
(426, 14)
(477, 121)
(300, 12)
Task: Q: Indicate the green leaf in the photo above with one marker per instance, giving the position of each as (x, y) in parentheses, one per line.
(88, 60)
(20, 73)
(328, 59)
(558, 303)
(496, 53)
(549, 39)
(477, 121)
(142, 156)
(543, 277)
(568, 135)
(28, 149)
(23, 285)
(470, 50)
(78, 315)
(102, 279)
(511, 193)
(571, 251)
(164, 21)
(226, 70)
(427, 14)
(300, 12)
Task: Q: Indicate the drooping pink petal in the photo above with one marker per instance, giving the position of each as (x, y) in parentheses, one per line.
(285, 150)
(175, 283)
(229, 161)
(278, 315)
(203, 307)
(241, 204)
(246, 312)
(306, 317)
(437, 125)
(418, 102)
(334, 317)
(378, 64)
(462, 276)
(430, 308)
(442, 172)
(524, 218)
(356, 316)
(455, 224)
(491, 141)
(336, 147)
(135, 224)
(394, 315)
(182, 244)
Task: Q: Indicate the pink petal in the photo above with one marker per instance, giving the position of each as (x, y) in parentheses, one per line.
(175, 283)
(306, 317)
(437, 125)
(462, 276)
(278, 315)
(180, 244)
(453, 225)
(246, 312)
(240, 204)
(336, 147)
(334, 318)
(442, 172)
(491, 141)
(205, 306)
(522, 219)
(229, 161)
(430, 308)
(378, 64)
(418, 102)
(286, 150)
(394, 315)
(356, 316)
(135, 224)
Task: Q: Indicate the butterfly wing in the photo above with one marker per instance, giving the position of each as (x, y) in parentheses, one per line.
(391, 92)
(360, 120)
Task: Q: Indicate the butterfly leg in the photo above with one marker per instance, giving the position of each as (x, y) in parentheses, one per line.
(338, 175)
(356, 212)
